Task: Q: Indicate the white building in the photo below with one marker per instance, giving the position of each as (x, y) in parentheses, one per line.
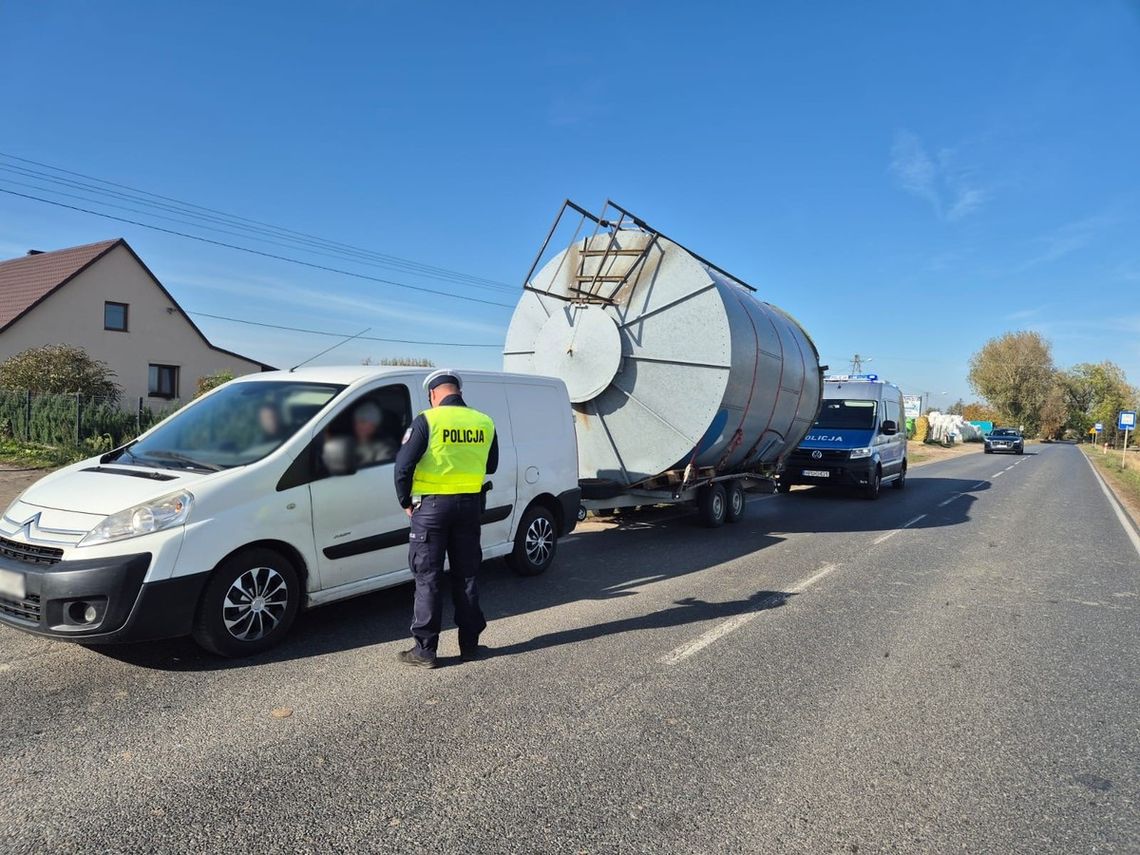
(102, 298)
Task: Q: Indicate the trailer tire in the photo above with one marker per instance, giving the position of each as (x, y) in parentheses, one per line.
(734, 510)
(713, 504)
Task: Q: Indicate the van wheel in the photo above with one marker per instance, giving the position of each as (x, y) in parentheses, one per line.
(781, 487)
(582, 513)
(871, 491)
(713, 504)
(900, 482)
(535, 542)
(249, 604)
(735, 510)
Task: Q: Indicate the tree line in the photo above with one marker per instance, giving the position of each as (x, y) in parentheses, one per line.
(1022, 387)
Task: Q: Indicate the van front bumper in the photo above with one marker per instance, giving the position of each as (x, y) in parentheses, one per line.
(98, 600)
(838, 473)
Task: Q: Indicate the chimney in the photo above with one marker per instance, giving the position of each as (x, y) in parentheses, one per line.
(35, 252)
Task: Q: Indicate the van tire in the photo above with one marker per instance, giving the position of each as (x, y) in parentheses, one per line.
(900, 482)
(536, 542)
(872, 490)
(734, 509)
(782, 487)
(713, 504)
(257, 571)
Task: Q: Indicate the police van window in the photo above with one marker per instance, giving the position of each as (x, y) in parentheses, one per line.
(851, 414)
(376, 423)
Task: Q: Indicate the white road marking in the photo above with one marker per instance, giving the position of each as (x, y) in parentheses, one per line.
(998, 474)
(945, 502)
(979, 485)
(1009, 467)
(891, 534)
(1125, 523)
(733, 623)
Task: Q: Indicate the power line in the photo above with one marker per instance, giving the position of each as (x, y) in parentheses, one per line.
(196, 211)
(258, 252)
(337, 334)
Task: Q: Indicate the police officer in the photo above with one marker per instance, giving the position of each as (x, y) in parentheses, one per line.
(440, 469)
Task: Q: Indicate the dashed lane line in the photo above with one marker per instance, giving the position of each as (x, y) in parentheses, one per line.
(945, 502)
(891, 534)
(679, 654)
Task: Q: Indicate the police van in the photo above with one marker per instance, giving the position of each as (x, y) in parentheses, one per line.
(858, 439)
(270, 494)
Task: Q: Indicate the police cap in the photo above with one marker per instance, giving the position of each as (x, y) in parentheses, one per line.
(444, 375)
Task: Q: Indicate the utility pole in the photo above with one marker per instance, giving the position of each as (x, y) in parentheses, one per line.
(857, 363)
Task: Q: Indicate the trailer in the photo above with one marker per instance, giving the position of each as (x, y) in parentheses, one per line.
(685, 388)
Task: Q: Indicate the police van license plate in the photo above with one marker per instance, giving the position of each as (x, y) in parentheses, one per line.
(816, 473)
(12, 585)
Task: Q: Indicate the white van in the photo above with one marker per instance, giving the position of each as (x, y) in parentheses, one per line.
(223, 520)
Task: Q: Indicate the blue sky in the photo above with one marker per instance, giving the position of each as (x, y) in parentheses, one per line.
(908, 179)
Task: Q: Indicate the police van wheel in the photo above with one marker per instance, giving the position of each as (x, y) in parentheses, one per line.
(248, 605)
(713, 504)
(582, 513)
(535, 542)
(871, 491)
(734, 512)
(900, 482)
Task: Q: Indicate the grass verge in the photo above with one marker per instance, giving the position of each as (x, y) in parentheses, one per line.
(26, 455)
(1124, 482)
(918, 453)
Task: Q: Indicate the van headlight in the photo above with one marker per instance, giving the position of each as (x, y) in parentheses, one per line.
(163, 513)
(856, 453)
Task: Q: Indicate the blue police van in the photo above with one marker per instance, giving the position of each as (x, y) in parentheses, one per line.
(858, 439)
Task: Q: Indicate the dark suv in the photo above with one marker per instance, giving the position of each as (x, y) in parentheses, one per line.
(1004, 439)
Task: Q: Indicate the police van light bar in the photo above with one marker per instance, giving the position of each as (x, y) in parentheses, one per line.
(847, 378)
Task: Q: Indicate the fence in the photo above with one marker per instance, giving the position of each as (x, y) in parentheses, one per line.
(73, 420)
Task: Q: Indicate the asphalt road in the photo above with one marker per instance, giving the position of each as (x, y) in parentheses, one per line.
(954, 667)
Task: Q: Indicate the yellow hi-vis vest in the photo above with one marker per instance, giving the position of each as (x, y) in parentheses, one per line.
(459, 440)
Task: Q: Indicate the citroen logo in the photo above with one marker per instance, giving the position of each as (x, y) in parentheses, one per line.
(816, 455)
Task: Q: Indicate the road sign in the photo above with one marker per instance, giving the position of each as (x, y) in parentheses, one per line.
(912, 404)
(1098, 427)
(1126, 422)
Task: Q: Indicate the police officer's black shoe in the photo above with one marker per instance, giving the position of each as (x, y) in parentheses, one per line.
(415, 660)
(471, 654)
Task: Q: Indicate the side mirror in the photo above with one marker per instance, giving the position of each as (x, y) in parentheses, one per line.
(889, 428)
(338, 453)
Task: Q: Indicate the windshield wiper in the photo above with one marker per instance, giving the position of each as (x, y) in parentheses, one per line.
(182, 458)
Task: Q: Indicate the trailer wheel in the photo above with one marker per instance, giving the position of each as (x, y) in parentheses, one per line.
(734, 512)
(713, 505)
(582, 513)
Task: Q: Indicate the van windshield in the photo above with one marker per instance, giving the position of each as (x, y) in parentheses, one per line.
(239, 424)
(849, 414)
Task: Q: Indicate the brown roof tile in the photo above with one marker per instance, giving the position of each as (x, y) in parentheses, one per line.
(26, 280)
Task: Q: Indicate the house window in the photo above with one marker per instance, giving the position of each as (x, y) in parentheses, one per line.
(115, 316)
(164, 381)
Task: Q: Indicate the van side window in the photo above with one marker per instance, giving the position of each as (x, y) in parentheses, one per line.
(376, 422)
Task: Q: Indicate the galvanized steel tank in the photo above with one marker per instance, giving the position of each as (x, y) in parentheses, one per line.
(669, 361)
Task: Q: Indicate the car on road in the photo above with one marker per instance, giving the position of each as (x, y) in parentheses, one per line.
(856, 440)
(1005, 441)
(270, 494)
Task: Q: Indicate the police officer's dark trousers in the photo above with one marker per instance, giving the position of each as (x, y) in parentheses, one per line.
(446, 526)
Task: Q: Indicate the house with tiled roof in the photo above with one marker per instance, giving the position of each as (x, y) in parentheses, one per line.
(103, 298)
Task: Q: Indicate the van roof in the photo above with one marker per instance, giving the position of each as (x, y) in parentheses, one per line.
(348, 375)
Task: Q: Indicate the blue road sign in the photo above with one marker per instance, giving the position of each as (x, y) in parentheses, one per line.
(1126, 420)
(1098, 427)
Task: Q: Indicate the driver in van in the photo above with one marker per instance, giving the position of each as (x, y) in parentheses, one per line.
(372, 446)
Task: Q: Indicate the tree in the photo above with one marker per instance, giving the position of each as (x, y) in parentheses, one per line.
(212, 381)
(1015, 373)
(58, 369)
(401, 361)
(976, 411)
(1100, 390)
(1056, 410)
(957, 408)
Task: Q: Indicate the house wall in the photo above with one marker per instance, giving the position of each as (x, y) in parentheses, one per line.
(157, 332)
